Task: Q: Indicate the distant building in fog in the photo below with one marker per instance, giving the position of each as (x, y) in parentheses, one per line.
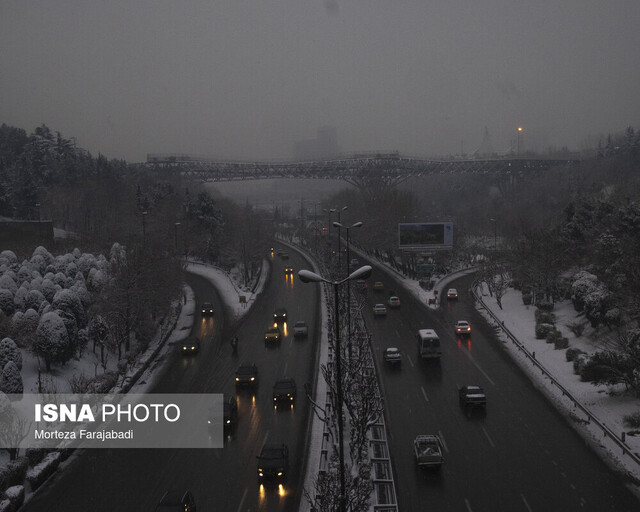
(325, 145)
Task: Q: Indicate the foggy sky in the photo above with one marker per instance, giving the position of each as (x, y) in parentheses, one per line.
(245, 79)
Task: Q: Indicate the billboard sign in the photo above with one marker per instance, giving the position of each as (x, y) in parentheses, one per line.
(425, 235)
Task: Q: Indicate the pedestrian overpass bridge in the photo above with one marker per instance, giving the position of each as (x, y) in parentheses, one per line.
(390, 168)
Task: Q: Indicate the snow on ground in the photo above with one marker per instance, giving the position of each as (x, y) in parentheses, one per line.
(608, 404)
(228, 286)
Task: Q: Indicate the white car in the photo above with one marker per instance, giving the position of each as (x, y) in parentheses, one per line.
(392, 356)
(394, 301)
(300, 329)
(379, 310)
(452, 294)
(463, 328)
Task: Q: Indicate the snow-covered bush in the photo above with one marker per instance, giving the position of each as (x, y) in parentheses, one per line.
(542, 330)
(52, 339)
(96, 280)
(34, 299)
(49, 288)
(9, 256)
(69, 302)
(9, 351)
(85, 263)
(572, 353)
(10, 379)
(6, 281)
(38, 474)
(15, 494)
(25, 272)
(13, 473)
(583, 284)
(20, 297)
(6, 301)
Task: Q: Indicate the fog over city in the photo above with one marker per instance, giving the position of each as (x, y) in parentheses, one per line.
(248, 79)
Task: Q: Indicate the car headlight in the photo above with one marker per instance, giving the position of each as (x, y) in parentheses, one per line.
(253, 378)
(209, 422)
(228, 421)
(279, 473)
(237, 379)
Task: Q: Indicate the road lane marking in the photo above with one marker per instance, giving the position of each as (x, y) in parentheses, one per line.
(410, 361)
(468, 505)
(478, 367)
(398, 334)
(424, 393)
(488, 438)
(244, 495)
(444, 445)
(525, 503)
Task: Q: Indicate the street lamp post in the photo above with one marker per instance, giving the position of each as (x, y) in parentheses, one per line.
(339, 235)
(306, 276)
(348, 228)
(519, 132)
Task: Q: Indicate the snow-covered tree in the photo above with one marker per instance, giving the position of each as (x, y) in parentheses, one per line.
(11, 380)
(69, 301)
(9, 351)
(52, 339)
(34, 299)
(49, 289)
(6, 301)
(9, 256)
(7, 282)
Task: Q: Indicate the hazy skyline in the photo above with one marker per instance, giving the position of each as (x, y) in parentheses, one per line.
(246, 79)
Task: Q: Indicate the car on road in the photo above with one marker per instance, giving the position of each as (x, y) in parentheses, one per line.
(378, 286)
(280, 315)
(288, 270)
(428, 451)
(273, 334)
(284, 392)
(247, 375)
(472, 396)
(190, 346)
(379, 310)
(394, 301)
(273, 462)
(463, 328)
(392, 356)
(361, 284)
(207, 309)
(354, 262)
(300, 329)
(452, 294)
(177, 501)
(284, 255)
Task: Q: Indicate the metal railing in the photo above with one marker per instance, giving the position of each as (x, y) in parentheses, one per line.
(590, 416)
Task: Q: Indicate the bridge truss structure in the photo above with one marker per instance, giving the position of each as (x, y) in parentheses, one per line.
(388, 168)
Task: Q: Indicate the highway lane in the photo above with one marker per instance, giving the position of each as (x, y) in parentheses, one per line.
(519, 455)
(221, 479)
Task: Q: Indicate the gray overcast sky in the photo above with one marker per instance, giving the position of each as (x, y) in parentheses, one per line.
(245, 79)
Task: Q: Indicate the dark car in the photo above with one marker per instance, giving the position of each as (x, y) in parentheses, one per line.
(177, 501)
(273, 462)
(472, 396)
(280, 315)
(284, 392)
(247, 375)
(190, 346)
(207, 309)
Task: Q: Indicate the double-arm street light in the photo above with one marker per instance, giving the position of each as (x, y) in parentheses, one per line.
(306, 276)
(348, 228)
